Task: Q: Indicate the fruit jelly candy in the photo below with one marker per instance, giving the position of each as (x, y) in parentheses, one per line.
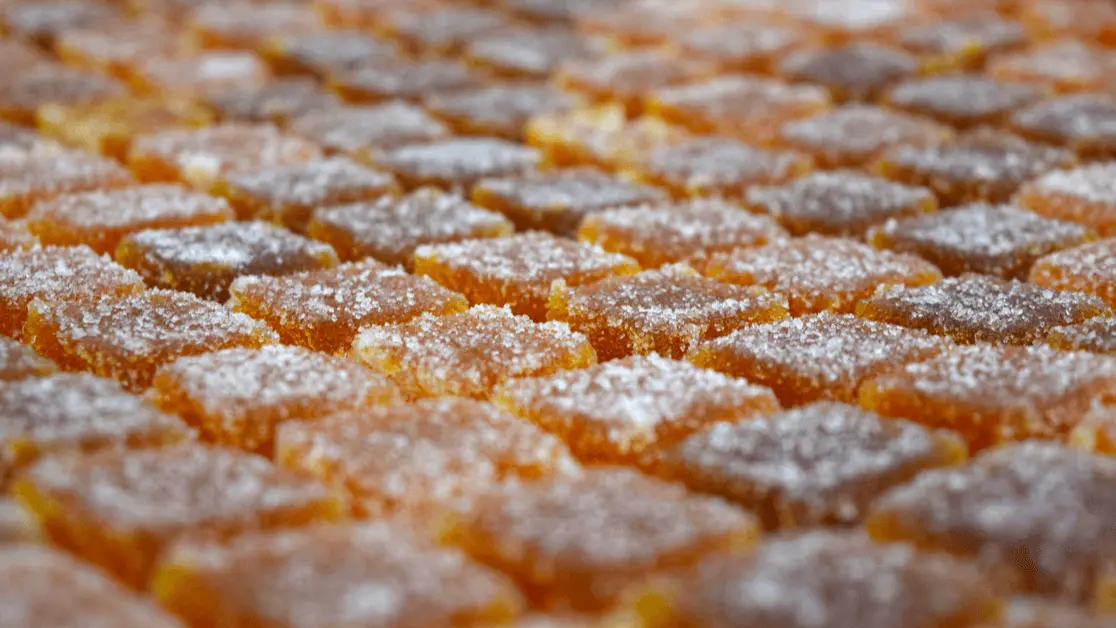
(962, 42)
(1089, 268)
(1083, 20)
(205, 260)
(739, 46)
(45, 587)
(1096, 335)
(404, 80)
(445, 31)
(42, 22)
(500, 110)
(530, 53)
(639, 25)
(816, 357)
(655, 234)
(279, 101)
(200, 156)
(747, 107)
(1085, 195)
(1064, 65)
(16, 524)
(116, 50)
(855, 71)
(17, 140)
(239, 396)
(842, 203)
(556, 11)
(518, 270)
(19, 361)
(1083, 123)
(390, 229)
(101, 218)
(667, 311)
(558, 200)
(326, 53)
(853, 135)
(601, 136)
(821, 464)
(984, 166)
(323, 310)
(15, 236)
(34, 177)
(1034, 511)
(939, 9)
(457, 163)
(371, 574)
(248, 25)
(363, 13)
(358, 131)
(820, 273)
(627, 77)
(1096, 431)
(121, 509)
(423, 457)
(55, 274)
(713, 166)
(630, 410)
(194, 75)
(469, 353)
(1000, 240)
(24, 94)
(17, 57)
(843, 20)
(981, 308)
(288, 195)
(963, 100)
(1038, 613)
(578, 542)
(841, 578)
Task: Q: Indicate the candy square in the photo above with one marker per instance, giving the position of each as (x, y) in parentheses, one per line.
(578, 542)
(109, 127)
(421, 458)
(999, 240)
(457, 163)
(1096, 335)
(1064, 65)
(14, 236)
(1084, 195)
(17, 140)
(632, 410)
(117, 49)
(667, 311)
(19, 361)
(501, 110)
(444, 31)
(663, 233)
(980, 308)
(194, 75)
(205, 260)
(821, 464)
(17, 57)
(248, 24)
(390, 229)
(287, 195)
(984, 166)
(54, 275)
(326, 53)
(843, 20)
(1083, 123)
(820, 273)
(100, 219)
(42, 22)
(362, 13)
(470, 353)
(742, 46)
(627, 77)
(600, 136)
(1036, 613)
(404, 80)
(28, 178)
(843, 203)
(359, 131)
(323, 310)
(121, 509)
(22, 95)
(518, 270)
(816, 357)
(963, 100)
(1048, 19)
(531, 53)
(637, 25)
(558, 200)
(855, 71)
(1087, 268)
(1038, 511)
(376, 574)
(278, 101)
(854, 135)
(962, 43)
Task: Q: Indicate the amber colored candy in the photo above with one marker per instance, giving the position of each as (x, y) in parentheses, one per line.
(557, 201)
(631, 410)
(1039, 613)
(963, 100)
(555, 11)
(288, 195)
(16, 525)
(816, 357)
(1082, 123)
(34, 580)
(326, 53)
(18, 57)
(358, 131)
(853, 135)
(404, 80)
(109, 127)
(518, 270)
(501, 110)
(100, 219)
(363, 13)
(121, 509)
(600, 136)
(691, 231)
(854, 71)
(444, 31)
(1096, 431)
(372, 574)
(1065, 65)
(638, 25)
(117, 49)
(248, 25)
(628, 77)
(1096, 335)
(14, 236)
(197, 75)
(456, 163)
(19, 361)
(205, 260)
(962, 42)
(530, 53)
(56, 274)
(28, 178)
(390, 229)
(17, 140)
(1088, 268)
(839, 21)
(792, 581)
(1036, 511)
(23, 95)
(1084, 195)
(278, 102)
(42, 22)
(741, 46)
(578, 542)
(1080, 19)
(820, 273)
(999, 240)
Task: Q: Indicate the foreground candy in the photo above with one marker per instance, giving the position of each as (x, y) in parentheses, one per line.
(1083, 195)
(29, 178)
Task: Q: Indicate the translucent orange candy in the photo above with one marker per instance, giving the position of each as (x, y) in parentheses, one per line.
(501, 110)
(628, 77)
(404, 80)
(19, 361)
(278, 102)
(441, 32)
(1063, 65)
(855, 71)
(361, 131)
(190, 76)
(1079, 122)
(531, 53)
(15, 236)
(28, 178)
(599, 136)
(456, 164)
(23, 95)
(247, 24)
(326, 53)
(109, 127)
(963, 100)
(1083, 195)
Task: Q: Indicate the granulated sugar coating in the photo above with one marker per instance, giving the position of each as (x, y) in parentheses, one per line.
(1096, 335)
(600, 136)
(358, 131)
(19, 361)
(855, 134)
(1084, 123)
(963, 100)
(501, 110)
(27, 178)
(1085, 195)
(457, 164)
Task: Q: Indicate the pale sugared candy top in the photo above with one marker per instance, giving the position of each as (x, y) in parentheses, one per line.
(628, 76)
(116, 49)
(1078, 18)
(531, 52)
(980, 308)
(327, 53)
(24, 93)
(109, 127)
(664, 233)
(839, 20)
(19, 361)
(17, 56)
(459, 163)
(1085, 123)
(819, 464)
(855, 134)
(501, 110)
(324, 309)
(38, 176)
(16, 524)
(739, 46)
(963, 41)
(1090, 268)
(601, 136)
(816, 357)
(855, 71)
(14, 236)
(443, 31)
(843, 203)
(436, 453)
(821, 273)
(999, 240)
(193, 76)
(248, 24)
(359, 130)
(1039, 613)
(1085, 195)
(1096, 335)
(238, 396)
(17, 140)
(1036, 507)
(278, 101)
(468, 354)
(42, 22)
(616, 411)
(404, 80)
(963, 100)
(715, 167)
(1064, 65)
